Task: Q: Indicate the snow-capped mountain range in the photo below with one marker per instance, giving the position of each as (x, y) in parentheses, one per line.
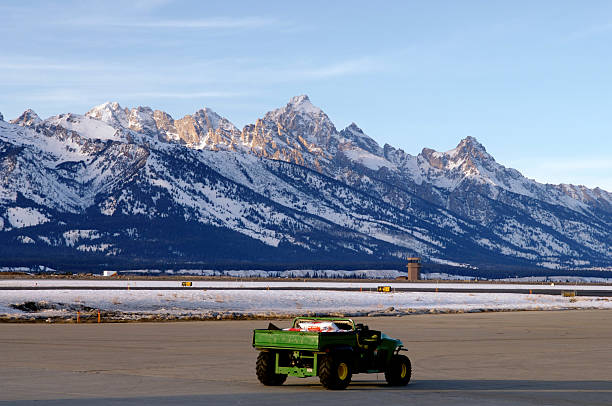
(120, 186)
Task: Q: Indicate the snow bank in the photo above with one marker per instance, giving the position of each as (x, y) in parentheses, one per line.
(201, 303)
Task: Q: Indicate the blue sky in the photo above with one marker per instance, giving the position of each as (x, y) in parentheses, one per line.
(530, 80)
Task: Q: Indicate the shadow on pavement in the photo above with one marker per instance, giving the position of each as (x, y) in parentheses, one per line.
(426, 392)
(509, 385)
(471, 385)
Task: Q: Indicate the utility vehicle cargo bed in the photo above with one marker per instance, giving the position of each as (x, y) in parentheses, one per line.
(301, 340)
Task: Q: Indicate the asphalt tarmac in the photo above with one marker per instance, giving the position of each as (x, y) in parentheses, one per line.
(516, 358)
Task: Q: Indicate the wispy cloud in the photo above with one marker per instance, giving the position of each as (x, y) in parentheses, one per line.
(265, 72)
(76, 85)
(73, 84)
(348, 67)
(43, 65)
(186, 95)
(209, 23)
(146, 4)
(54, 96)
(58, 95)
(226, 71)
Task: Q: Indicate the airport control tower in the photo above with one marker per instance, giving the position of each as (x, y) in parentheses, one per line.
(414, 268)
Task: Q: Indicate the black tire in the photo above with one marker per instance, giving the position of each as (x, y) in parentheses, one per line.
(265, 369)
(335, 371)
(399, 371)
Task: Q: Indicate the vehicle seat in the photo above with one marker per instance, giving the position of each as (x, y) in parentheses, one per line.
(368, 339)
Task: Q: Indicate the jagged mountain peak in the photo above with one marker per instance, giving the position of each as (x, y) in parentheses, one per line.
(298, 105)
(299, 98)
(468, 154)
(210, 120)
(472, 157)
(111, 113)
(27, 118)
(202, 129)
(290, 131)
(470, 146)
(211, 115)
(301, 101)
(108, 105)
(141, 119)
(355, 135)
(470, 140)
(301, 104)
(146, 109)
(354, 128)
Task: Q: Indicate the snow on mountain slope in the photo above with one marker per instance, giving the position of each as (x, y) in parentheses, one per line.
(262, 200)
(470, 162)
(84, 126)
(25, 217)
(468, 174)
(368, 159)
(64, 168)
(290, 181)
(268, 201)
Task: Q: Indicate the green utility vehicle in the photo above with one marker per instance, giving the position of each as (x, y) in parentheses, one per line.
(333, 353)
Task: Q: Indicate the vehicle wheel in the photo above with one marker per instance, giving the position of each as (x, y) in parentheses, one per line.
(399, 371)
(265, 369)
(335, 371)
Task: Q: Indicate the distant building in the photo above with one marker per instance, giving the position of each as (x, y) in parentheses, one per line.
(414, 268)
(109, 273)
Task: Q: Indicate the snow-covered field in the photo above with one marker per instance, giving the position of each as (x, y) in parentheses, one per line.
(211, 304)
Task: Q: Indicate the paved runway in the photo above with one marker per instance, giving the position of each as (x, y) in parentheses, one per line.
(517, 358)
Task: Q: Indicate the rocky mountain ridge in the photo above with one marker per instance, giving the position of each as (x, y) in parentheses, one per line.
(288, 186)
